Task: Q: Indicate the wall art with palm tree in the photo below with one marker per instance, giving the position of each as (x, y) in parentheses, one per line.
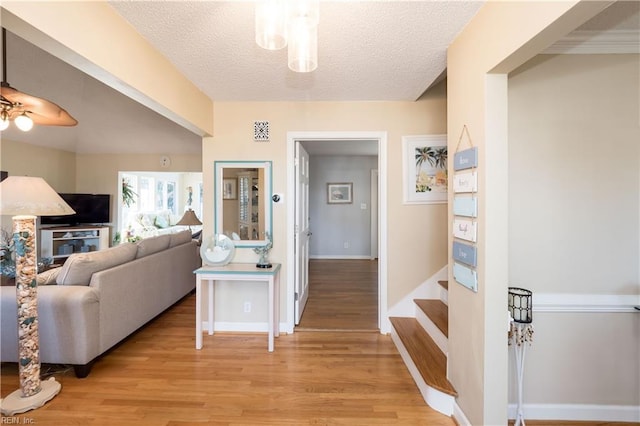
(425, 169)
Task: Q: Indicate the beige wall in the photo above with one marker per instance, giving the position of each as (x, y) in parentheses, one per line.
(574, 210)
(501, 37)
(55, 166)
(417, 233)
(98, 173)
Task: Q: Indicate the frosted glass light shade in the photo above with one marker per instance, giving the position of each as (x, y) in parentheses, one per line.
(27, 195)
(271, 24)
(303, 45)
(23, 122)
(309, 9)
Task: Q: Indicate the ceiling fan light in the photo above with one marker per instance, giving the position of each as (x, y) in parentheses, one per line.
(4, 120)
(303, 45)
(271, 24)
(24, 122)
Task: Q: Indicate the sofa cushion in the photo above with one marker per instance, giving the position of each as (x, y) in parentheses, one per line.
(179, 238)
(152, 245)
(79, 267)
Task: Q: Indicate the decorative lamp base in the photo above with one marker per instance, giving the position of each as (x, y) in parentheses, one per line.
(15, 403)
(264, 265)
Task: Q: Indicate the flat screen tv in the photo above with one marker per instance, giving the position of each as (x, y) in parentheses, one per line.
(91, 209)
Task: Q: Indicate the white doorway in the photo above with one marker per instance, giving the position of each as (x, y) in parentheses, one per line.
(380, 139)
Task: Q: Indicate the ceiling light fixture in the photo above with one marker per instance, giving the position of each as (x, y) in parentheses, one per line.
(290, 22)
(26, 110)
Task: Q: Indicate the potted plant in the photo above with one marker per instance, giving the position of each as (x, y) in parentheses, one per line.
(128, 195)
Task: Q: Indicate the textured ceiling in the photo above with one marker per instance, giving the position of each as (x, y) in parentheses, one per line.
(368, 50)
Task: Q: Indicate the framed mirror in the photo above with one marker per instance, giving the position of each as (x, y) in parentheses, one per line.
(242, 201)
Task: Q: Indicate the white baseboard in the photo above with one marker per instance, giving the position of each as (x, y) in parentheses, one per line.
(339, 256)
(242, 327)
(459, 416)
(578, 412)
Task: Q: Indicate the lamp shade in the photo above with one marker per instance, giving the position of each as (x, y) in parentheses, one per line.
(189, 219)
(26, 195)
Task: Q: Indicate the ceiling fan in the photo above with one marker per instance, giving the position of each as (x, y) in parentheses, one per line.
(24, 109)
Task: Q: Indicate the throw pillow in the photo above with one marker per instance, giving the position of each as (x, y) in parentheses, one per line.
(48, 277)
(162, 221)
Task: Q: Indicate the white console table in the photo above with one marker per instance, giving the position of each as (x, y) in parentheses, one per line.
(238, 272)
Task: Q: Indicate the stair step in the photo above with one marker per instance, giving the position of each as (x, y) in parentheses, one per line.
(444, 284)
(429, 360)
(437, 312)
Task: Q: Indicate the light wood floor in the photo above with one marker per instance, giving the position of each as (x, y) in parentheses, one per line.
(313, 378)
(343, 295)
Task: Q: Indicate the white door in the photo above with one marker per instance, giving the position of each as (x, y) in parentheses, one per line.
(302, 232)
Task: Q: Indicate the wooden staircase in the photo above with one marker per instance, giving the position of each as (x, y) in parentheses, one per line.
(422, 343)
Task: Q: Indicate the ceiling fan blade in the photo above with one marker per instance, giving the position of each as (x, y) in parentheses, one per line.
(41, 111)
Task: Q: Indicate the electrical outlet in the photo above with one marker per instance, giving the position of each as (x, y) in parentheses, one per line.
(346, 244)
(247, 307)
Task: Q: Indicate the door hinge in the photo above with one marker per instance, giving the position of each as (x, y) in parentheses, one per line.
(295, 297)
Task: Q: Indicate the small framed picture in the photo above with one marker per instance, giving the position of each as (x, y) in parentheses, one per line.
(229, 189)
(340, 193)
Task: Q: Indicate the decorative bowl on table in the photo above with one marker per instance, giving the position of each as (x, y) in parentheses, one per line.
(217, 250)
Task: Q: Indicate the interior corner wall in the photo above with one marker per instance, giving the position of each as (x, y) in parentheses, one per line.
(574, 227)
(338, 225)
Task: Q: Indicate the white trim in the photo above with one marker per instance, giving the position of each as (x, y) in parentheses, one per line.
(459, 416)
(434, 398)
(558, 302)
(597, 42)
(429, 289)
(340, 256)
(381, 137)
(578, 412)
(240, 327)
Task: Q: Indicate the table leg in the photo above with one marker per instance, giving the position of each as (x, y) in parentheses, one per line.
(277, 304)
(271, 313)
(198, 312)
(211, 306)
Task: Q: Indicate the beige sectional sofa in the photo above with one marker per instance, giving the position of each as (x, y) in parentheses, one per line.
(97, 299)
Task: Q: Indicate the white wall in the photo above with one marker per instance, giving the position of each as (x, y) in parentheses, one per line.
(333, 225)
(574, 215)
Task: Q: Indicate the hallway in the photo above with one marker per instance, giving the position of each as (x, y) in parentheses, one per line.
(343, 296)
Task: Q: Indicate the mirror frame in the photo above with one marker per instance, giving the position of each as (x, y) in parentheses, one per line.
(219, 166)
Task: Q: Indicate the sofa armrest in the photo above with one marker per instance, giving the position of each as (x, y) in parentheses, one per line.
(68, 324)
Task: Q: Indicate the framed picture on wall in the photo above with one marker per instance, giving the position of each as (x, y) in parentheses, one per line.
(340, 193)
(425, 169)
(229, 189)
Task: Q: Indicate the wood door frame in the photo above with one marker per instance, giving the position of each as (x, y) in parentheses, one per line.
(381, 137)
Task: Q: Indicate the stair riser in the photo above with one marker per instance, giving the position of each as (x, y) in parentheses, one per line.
(444, 296)
(435, 399)
(433, 331)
